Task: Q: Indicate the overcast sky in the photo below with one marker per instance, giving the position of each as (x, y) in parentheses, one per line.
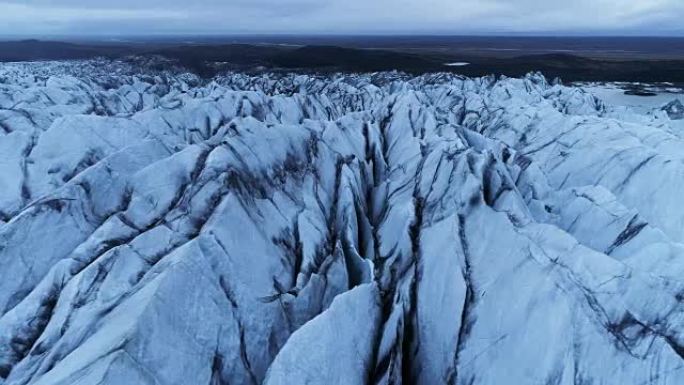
(130, 17)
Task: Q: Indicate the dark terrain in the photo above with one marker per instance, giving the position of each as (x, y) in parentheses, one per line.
(569, 58)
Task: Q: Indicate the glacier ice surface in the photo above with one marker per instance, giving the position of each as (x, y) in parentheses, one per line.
(157, 228)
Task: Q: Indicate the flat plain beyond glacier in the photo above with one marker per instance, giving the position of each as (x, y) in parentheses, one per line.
(631, 59)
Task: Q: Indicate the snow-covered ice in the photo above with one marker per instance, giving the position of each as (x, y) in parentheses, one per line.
(157, 228)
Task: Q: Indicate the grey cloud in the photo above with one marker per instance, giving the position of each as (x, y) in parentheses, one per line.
(341, 16)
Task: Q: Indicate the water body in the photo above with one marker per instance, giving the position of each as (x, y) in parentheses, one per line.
(617, 94)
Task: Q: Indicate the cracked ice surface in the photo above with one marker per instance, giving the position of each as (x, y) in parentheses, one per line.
(365, 229)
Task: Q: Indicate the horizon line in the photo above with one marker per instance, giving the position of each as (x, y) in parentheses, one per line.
(37, 36)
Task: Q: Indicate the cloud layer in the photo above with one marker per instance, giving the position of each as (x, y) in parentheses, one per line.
(125, 17)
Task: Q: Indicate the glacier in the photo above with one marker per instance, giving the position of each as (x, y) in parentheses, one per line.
(282, 228)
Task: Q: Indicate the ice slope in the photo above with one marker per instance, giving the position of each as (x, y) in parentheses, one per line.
(351, 229)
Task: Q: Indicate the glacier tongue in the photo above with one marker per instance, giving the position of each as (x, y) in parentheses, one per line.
(347, 229)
